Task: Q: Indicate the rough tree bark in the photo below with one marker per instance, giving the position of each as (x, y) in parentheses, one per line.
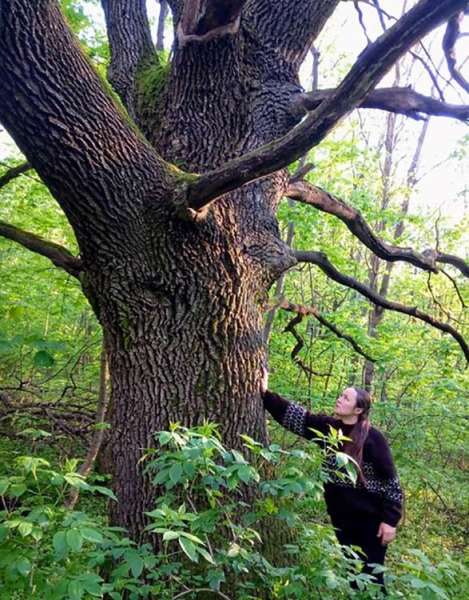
(177, 280)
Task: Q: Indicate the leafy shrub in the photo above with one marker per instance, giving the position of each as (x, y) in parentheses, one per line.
(209, 519)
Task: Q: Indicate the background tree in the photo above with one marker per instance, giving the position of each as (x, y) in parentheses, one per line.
(172, 195)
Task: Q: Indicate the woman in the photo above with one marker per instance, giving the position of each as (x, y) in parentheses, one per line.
(364, 514)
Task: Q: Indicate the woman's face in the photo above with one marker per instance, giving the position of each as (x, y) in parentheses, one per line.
(346, 405)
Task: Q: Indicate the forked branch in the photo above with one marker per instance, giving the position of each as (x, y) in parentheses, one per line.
(311, 310)
(303, 191)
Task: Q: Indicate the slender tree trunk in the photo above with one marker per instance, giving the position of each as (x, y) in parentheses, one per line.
(380, 281)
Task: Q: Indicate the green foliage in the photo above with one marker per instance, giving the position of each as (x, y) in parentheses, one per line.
(86, 26)
(210, 536)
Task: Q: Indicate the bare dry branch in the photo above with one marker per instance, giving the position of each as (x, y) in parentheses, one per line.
(362, 21)
(436, 302)
(60, 256)
(291, 327)
(307, 193)
(456, 287)
(311, 310)
(371, 66)
(321, 260)
(302, 171)
(69, 419)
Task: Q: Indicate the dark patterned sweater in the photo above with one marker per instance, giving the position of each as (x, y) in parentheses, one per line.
(379, 497)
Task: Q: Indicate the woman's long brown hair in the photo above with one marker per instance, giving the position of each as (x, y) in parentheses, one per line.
(360, 430)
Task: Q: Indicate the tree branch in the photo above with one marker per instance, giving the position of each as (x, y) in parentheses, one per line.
(449, 259)
(13, 173)
(311, 310)
(291, 327)
(451, 36)
(60, 256)
(307, 193)
(395, 99)
(321, 260)
(456, 288)
(371, 66)
(164, 9)
(131, 47)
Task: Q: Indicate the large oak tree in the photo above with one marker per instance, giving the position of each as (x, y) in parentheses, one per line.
(173, 198)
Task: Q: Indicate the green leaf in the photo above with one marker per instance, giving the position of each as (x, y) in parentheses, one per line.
(244, 473)
(31, 464)
(170, 535)
(37, 534)
(175, 473)
(4, 484)
(75, 590)
(18, 489)
(233, 550)
(59, 542)
(101, 426)
(215, 577)
(74, 539)
(91, 535)
(43, 359)
(136, 564)
(161, 477)
(25, 528)
(208, 557)
(239, 458)
(191, 537)
(92, 587)
(188, 548)
(91, 583)
(189, 469)
(23, 564)
(342, 459)
(35, 433)
(76, 480)
(104, 491)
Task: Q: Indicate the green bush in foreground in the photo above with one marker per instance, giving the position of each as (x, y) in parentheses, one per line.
(211, 544)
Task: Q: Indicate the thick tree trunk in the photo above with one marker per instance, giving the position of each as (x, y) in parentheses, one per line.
(185, 345)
